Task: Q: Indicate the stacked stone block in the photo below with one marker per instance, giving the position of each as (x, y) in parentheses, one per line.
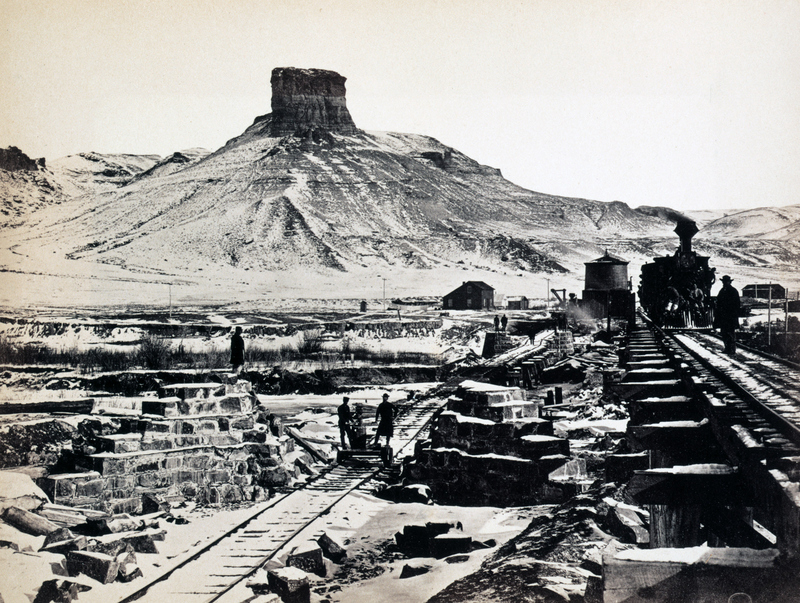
(473, 459)
(456, 477)
(197, 440)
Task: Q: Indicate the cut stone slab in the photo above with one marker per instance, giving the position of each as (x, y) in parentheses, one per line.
(571, 470)
(60, 590)
(60, 535)
(191, 391)
(28, 522)
(308, 557)
(62, 547)
(129, 572)
(411, 570)
(97, 566)
(332, 548)
(445, 545)
(290, 584)
(110, 547)
(163, 407)
(536, 446)
(667, 574)
(414, 540)
(18, 490)
(63, 486)
(119, 442)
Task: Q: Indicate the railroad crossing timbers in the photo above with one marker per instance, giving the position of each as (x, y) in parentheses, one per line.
(709, 479)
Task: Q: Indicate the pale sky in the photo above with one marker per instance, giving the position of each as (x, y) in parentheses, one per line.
(689, 104)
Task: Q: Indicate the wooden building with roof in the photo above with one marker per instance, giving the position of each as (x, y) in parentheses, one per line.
(471, 295)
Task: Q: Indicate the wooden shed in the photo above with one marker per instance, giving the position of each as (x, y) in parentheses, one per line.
(517, 302)
(471, 295)
(763, 291)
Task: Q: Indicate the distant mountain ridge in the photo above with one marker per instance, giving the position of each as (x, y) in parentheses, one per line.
(304, 189)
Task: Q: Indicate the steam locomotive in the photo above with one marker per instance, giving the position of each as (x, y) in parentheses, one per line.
(675, 291)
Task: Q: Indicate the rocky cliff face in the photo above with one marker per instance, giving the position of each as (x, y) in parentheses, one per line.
(25, 185)
(14, 160)
(307, 99)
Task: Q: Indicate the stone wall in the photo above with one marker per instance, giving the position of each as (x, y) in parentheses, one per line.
(201, 441)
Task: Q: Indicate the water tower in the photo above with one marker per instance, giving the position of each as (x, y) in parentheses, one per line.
(607, 293)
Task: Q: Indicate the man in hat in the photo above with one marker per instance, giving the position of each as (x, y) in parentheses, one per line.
(726, 314)
(385, 418)
(345, 423)
(237, 350)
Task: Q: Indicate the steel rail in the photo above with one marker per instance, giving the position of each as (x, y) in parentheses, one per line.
(785, 426)
(780, 422)
(368, 473)
(405, 410)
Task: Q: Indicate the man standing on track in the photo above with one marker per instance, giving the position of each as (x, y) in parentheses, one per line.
(345, 423)
(726, 315)
(385, 418)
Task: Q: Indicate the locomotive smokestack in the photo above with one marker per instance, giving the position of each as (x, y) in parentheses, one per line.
(686, 229)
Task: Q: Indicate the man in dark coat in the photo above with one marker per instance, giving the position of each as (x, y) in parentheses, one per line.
(504, 322)
(726, 314)
(345, 422)
(237, 350)
(385, 418)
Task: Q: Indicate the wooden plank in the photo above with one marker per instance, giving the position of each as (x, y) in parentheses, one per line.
(75, 407)
(674, 526)
(308, 446)
(705, 486)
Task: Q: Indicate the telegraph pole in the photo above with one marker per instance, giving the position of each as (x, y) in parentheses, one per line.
(383, 278)
(547, 296)
(769, 317)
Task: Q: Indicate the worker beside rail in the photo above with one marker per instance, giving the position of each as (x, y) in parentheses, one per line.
(345, 423)
(726, 315)
(385, 417)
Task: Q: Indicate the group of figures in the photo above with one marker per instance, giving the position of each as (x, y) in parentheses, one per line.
(350, 425)
(691, 306)
(687, 300)
(675, 291)
(500, 323)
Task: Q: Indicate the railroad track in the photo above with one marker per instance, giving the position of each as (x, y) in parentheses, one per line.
(768, 385)
(220, 568)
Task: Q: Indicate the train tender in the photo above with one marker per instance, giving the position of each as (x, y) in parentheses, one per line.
(675, 291)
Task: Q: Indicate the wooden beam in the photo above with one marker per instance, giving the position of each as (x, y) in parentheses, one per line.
(73, 407)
